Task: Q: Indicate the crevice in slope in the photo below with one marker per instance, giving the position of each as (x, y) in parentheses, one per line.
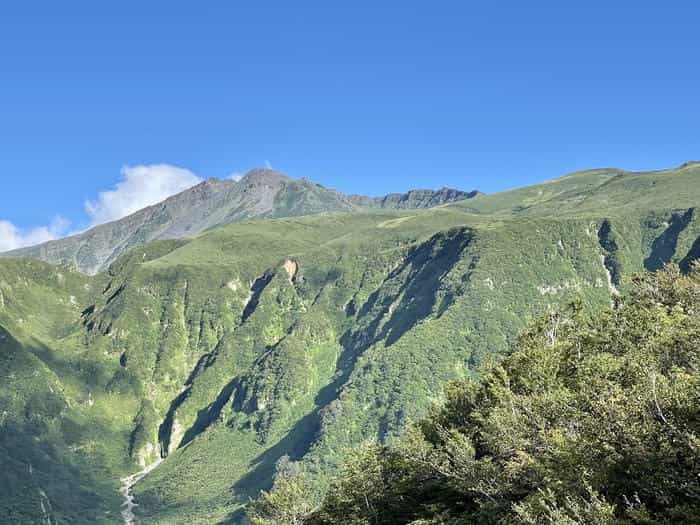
(173, 325)
(692, 256)
(351, 306)
(330, 277)
(140, 447)
(244, 399)
(609, 247)
(407, 296)
(165, 430)
(211, 413)
(410, 292)
(663, 249)
(88, 311)
(272, 381)
(256, 291)
(451, 295)
(156, 426)
(116, 294)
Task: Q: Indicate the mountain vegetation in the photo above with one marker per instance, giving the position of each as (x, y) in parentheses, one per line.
(263, 353)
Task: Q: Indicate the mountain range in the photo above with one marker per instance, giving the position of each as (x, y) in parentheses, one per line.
(260, 193)
(237, 332)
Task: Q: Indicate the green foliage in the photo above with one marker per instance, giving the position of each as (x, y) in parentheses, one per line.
(289, 503)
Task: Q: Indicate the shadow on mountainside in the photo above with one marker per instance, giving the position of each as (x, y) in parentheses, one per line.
(693, 255)
(43, 476)
(664, 246)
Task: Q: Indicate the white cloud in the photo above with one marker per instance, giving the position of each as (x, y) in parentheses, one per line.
(12, 237)
(141, 186)
(268, 165)
(236, 175)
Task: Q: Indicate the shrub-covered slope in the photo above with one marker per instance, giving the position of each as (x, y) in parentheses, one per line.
(275, 346)
(593, 419)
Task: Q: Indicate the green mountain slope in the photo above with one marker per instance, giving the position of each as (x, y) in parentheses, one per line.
(610, 191)
(213, 203)
(279, 345)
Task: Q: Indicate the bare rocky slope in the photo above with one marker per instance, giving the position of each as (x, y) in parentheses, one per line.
(261, 193)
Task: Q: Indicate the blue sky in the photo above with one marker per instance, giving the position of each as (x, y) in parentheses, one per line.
(363, 98)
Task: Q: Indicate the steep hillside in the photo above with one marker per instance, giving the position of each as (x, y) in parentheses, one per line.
(272, 346)
(260, 193)
(60, 431)
(593, 419)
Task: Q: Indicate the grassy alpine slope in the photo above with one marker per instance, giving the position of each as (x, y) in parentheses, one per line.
(272, 347)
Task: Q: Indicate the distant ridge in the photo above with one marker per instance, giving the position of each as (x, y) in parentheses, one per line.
(414, 198)
(260, 193)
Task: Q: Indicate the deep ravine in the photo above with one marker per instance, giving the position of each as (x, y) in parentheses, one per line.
(127, 484)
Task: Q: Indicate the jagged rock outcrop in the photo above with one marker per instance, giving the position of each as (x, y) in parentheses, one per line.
(415, 199)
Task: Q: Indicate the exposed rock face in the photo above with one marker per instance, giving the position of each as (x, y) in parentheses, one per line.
(260, 193)
(415, 198)
(292, 267)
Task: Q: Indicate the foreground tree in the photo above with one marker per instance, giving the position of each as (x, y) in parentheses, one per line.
(289, 503)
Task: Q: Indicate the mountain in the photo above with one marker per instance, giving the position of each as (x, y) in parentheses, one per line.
(261, 193)
(268, 347)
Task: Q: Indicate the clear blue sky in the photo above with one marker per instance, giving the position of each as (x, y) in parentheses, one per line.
(363, 98)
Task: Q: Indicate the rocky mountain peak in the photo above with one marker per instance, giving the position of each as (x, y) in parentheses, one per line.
(264, 177)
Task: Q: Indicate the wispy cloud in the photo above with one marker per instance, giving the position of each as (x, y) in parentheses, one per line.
(12, 237)
(140, 186)
(236, 175)
(268, 165)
